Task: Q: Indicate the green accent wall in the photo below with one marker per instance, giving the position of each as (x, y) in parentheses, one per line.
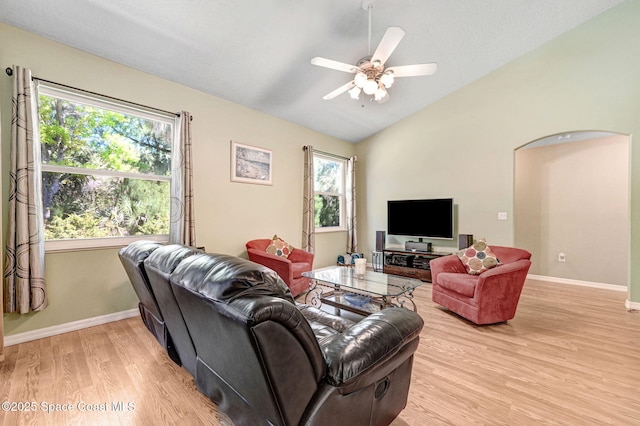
(82, 284)
(462, 146)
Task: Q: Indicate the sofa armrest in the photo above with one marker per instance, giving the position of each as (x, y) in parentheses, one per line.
(299, 255)
(281, 265)
(369, 344)
(504, 269)
(506, 280)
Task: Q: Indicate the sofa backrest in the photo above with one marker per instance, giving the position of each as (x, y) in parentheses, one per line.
(132, 258)
(510, 254)
(159, 266)
(250, 338)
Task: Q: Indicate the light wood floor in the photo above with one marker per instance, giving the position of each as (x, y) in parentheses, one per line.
(569, 357)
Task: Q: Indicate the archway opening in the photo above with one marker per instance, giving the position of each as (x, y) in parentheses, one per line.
(571, 206)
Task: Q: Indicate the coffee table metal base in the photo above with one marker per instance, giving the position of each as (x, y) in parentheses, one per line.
(331, 294)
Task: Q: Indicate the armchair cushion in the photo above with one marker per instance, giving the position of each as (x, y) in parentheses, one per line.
(279, 247)
(478, 258)
(461, 284)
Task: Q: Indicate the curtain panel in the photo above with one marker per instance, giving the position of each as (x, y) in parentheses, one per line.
(308, 199)
(350, 193)
(182, 229)
(24, 281)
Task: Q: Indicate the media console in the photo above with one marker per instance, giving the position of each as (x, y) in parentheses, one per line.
(409, 263)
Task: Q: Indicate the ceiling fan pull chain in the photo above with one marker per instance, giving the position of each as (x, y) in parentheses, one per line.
(369, 7)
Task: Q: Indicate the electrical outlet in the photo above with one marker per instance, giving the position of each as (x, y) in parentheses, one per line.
(562, 257)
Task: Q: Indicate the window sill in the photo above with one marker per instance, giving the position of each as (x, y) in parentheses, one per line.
(82, 244)
(327, 230)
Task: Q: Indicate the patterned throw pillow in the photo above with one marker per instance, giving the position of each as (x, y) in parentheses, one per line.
(478, 258)
(279, 247)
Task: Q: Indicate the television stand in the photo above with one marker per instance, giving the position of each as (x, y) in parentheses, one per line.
(409, 263)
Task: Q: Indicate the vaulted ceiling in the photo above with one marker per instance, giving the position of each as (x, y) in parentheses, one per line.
(257, 52)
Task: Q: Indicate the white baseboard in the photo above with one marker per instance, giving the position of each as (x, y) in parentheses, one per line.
(632, 306)
(54, 330)
(579, 282)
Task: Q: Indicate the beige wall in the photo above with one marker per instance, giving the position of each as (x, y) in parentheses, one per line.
(573, 198)
(463, 145)
(91, 283)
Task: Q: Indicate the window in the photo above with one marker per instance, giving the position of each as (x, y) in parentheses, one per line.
(329, 189)
(106, 170)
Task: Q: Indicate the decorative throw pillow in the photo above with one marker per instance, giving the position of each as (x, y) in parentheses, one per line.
(478, 258)
(279, 247)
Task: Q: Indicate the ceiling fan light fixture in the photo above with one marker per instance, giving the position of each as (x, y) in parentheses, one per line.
(370, 87)
(355, 92)
(380, 93)
(360, 79)
(387, 79)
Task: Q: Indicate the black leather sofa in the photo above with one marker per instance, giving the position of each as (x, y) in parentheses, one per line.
(265, 359)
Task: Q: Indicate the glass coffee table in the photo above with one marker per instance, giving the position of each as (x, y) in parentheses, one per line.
(340, 287)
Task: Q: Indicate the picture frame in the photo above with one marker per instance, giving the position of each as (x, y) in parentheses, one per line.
(250, 164)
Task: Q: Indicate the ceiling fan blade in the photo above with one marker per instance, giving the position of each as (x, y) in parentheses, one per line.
(414, 70)
(388, 44)
(334, 65)
(339, 91)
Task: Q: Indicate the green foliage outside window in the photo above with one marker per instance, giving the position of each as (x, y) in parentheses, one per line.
(327, 212)
(111, 202)
(328, 185)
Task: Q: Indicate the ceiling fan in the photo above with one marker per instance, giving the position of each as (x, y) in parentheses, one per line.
(371, 76)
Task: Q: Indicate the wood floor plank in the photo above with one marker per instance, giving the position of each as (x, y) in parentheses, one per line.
(569, 357)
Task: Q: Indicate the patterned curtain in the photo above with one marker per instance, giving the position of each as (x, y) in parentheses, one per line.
(352, 228)
(182, 229)
(308, 208)
(24, 283)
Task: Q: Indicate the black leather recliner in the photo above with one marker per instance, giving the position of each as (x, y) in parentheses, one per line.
(266, 360)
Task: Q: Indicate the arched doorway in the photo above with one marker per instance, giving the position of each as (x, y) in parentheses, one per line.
(571, 206)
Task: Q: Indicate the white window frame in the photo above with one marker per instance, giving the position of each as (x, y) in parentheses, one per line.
(77, 244)
(342, 195)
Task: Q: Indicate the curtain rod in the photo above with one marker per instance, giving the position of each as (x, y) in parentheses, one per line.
(9, 72)
(328, 154)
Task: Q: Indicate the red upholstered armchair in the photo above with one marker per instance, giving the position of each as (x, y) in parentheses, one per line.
(487, 298)
(289, 269)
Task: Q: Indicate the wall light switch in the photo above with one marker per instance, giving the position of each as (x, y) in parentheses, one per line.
(503, 216)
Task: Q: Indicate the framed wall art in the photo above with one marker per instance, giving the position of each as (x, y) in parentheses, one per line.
(250, 164)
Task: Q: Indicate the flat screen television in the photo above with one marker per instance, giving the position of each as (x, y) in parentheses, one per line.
(431, 218)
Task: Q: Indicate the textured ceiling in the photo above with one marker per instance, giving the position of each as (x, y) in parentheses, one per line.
(256, 52)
